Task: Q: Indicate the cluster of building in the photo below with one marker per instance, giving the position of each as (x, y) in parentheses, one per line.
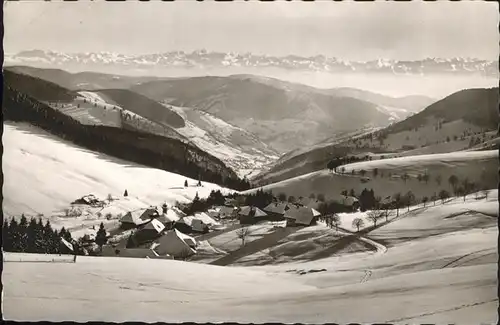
(301, 213)
(167, 232)
(158, 232)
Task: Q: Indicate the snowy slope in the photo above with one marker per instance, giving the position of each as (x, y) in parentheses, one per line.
(423, 160)
(462, 164)
(239, 149)
(444, 278)
(43, 174)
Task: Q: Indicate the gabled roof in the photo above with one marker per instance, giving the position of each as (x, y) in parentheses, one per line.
(205, 218)
(154, 225)
(176, 243)
(178, 212)
(151, 212)
(277, 207)
(186, 238)
(302, 215)
(186, 220)
(67, 244)
(134, 217)
(348, 200)
(171, 215)
(247, 211)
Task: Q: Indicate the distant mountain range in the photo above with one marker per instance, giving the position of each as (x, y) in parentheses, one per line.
(205, 59)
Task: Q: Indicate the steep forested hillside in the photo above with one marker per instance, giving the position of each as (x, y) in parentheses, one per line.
(150, 150)
(144, 106)
(40, 89)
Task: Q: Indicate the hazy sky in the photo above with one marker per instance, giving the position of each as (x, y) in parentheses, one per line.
(349, 30)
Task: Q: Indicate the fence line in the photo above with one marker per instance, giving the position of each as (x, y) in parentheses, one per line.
(36, 258)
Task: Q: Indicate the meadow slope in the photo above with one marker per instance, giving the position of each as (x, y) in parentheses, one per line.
(462, 164)
(446, 277)
(44, 174)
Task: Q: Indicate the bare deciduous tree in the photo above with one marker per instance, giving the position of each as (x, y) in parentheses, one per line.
(434, 197)
(243, 233)
(335, 222)
(373, 216)
(357, 223)
(388, 214)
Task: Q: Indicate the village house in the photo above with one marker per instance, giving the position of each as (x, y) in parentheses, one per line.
(133, 219)
(251, 215)
(176, 244)
(197, 225)
(89, 199)
(206, 219)
(276, 210)
(149, 231)
(184, 224)
(301, 216)
(350, 202)
(222, 212)
(201, 222)
(168, 218)
(151, 213)
(310, 203)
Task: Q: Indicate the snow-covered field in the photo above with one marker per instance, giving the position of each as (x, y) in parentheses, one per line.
(461, 164)
(449, 277)
(422, 160)
(43, 174)
(229, 241)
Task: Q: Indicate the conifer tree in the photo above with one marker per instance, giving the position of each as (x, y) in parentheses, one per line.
(14, 235)
(23, 237)
(31, 237)
(100, 238)
(6, 236)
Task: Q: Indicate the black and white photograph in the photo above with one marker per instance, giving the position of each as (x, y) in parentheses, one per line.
(250, 161)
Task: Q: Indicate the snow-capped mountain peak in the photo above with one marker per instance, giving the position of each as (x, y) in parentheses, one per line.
(204, 58)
